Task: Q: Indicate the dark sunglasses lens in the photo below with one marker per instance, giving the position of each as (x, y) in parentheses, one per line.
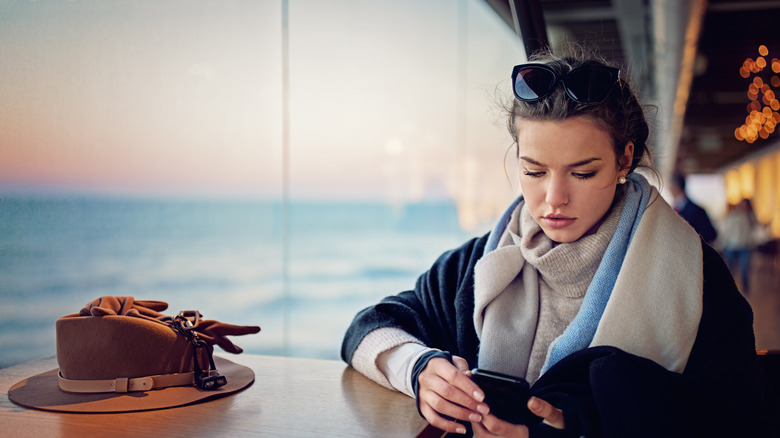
(533, 83)
(589, 85)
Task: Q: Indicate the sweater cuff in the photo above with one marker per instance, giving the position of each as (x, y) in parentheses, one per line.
(366, 356)
(397, 364)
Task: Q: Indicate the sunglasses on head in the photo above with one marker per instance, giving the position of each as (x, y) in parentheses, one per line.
(585, 84)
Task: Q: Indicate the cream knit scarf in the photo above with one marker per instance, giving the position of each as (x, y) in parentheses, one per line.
(652, 311)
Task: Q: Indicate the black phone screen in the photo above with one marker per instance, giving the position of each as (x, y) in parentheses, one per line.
(506, 396)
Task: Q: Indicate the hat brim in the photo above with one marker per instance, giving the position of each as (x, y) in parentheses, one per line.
(42, 392)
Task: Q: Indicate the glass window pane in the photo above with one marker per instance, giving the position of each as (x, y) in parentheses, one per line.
(142, 155)
(141, 150)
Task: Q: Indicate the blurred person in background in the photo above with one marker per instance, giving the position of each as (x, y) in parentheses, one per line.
(694, 214)
(738, 233)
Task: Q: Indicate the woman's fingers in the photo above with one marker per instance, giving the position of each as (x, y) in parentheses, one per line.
(480, 431)
(445, 424)
(444, 390)
(551, 415)
(493, 426)
(446, 399)
(460, 363)
(453, 385)
(440, 411)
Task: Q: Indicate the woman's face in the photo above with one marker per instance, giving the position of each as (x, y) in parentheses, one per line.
(568, 174)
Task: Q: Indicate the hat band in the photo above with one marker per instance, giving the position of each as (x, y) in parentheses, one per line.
(125, 384)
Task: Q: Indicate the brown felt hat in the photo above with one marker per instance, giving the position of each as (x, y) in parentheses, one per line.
(122, 355)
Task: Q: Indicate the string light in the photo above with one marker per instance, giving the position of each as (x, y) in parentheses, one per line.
(763, 116)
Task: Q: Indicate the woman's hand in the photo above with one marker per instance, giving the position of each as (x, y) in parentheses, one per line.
(492, 426)
(445, 389)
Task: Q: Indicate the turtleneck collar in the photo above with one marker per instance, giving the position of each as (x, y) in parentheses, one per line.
(567, 268)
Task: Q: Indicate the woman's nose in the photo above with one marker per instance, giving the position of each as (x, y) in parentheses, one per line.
(557, 192)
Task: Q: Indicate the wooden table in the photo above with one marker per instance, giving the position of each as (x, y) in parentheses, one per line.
(290, 397)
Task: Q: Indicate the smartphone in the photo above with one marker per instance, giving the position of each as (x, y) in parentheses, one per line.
(506, 396)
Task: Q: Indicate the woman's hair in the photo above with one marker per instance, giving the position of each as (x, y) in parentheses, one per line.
(620, 114)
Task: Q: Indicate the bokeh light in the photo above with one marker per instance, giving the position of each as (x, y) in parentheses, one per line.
(762, 109)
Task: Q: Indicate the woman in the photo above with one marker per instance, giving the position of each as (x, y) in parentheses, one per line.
(590, 287)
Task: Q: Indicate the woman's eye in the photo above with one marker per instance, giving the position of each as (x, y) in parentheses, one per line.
(534, 174)
(584, 175)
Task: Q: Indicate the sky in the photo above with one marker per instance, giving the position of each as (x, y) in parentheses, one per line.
(387, 100)
(138, 96)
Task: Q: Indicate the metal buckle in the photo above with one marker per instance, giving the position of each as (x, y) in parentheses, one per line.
(208, 379)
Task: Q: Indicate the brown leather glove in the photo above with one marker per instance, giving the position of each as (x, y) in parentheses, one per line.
(210, 331)
(215, 332)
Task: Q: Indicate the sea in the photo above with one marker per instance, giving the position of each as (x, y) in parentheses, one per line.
(299, 270)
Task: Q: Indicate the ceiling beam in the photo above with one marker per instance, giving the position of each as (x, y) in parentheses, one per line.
(501, 7)
(529, 24)
(676, 28)
(631, 16)
(743, 6)
(579, 15)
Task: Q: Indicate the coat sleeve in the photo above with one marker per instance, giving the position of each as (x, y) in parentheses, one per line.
(438, 311)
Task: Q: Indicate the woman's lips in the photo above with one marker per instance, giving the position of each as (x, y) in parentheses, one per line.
(557, 221)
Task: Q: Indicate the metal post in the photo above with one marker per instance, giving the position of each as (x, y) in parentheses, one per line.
(285, 177)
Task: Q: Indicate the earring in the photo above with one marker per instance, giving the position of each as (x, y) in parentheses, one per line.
(622, 179)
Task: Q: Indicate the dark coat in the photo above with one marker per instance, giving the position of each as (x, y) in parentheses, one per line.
(604, 391)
